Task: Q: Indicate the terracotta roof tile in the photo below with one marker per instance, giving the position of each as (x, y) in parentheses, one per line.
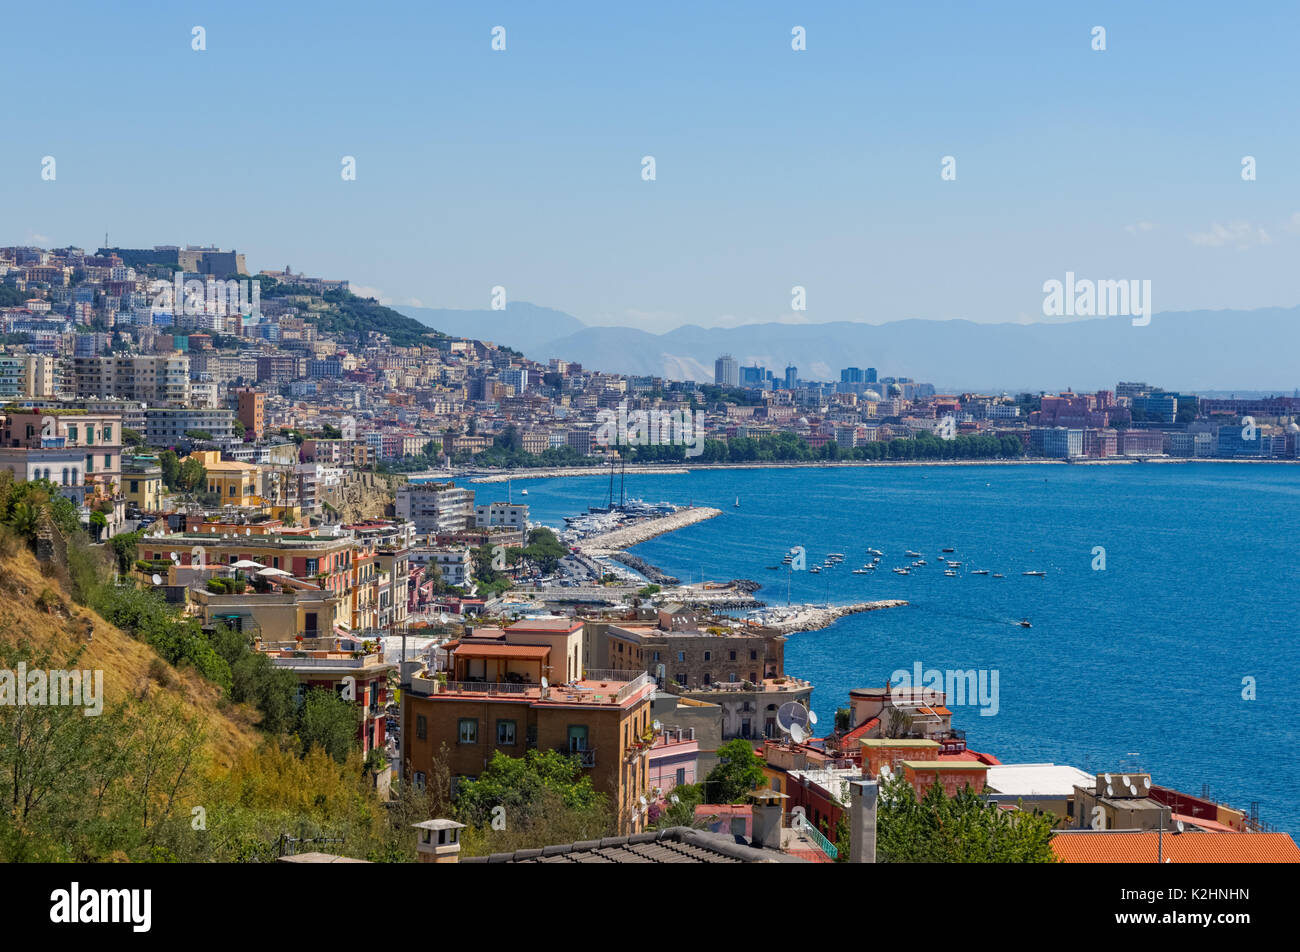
(1119, 847)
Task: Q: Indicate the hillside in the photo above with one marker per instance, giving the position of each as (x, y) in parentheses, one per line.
(53, 623)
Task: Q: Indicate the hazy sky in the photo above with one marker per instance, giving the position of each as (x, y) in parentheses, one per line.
(775, 168)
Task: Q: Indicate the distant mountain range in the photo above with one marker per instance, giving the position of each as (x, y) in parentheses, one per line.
(1193, 350)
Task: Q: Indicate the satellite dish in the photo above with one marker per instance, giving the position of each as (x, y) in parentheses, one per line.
(1125, 781)
(885, 772)
(1110, 792)
(545, 683)
(248, 532)
(812, 716)
(1179, 824)
(174, 557)
(157, 579)
(796, 734)
(642, 800)
(790, 714)
(658, 726)
(1108, 779)
(1147, 781)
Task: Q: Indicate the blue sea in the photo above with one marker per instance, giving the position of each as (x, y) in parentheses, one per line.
(1140, 665)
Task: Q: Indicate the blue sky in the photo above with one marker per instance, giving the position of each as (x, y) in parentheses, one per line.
(775, 168)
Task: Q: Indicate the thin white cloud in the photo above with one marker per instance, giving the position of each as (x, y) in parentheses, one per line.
(1238, 234)
(1139, 227)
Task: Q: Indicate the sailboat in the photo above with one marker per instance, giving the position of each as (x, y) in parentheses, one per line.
(737, 502)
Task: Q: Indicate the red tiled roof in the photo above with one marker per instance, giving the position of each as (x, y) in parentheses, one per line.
(1115, 847)
(860, 731)
(502, 651)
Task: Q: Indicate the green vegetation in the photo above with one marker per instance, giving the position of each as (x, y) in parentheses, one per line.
(960, 829)
(738, 772)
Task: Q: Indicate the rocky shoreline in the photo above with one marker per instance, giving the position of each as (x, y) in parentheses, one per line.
(638, 532)
(810, 618)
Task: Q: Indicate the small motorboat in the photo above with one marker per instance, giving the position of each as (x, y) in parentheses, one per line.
(912, 555)
(1024, 623)
(814, 571)
(998, 575)
(1035, 574)
(980, 572)
(950, 573)
(859, 571)
(902, 571)
(773, 568)
(950, 550)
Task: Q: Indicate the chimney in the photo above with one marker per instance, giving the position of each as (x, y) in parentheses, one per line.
(438, 841)
(766, 812)
(862, 820)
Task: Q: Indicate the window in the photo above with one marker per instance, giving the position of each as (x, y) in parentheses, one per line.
(421, 727)
(753, 654)
(108, 434)
(680, 779)
(108, 461)
(731, 656)
(681, 656)
(681, 678)
(72, 433)
(708, 656)
(468, 730)
(656, 656)
(419, 780)
(135, 485)
(577, 737)
(506, 733)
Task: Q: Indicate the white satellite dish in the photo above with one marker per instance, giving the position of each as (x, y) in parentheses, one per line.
(658, 726)
(812, 717)
(1125, 781)
(796, 734)
(248, 532)
(1179, 824)
(885, 772)
(1108, 779)
(1110, 792)
(157, 579)
(545, 683)
(174, 557)
(1147, 781)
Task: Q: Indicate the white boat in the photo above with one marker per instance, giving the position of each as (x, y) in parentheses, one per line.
(876, 552)
(737, 502)
(912, 555)
(980, 572)
(998, 575)
(859, 571)
(523, 492)
(920, 562)
(903, 571)
(950, 572)
(1035, 574)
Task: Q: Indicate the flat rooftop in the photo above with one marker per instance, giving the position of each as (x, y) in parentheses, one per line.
(1037, 780)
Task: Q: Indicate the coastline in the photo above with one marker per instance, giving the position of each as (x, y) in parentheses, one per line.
(809, 618)
(686, 468)
(638, 532)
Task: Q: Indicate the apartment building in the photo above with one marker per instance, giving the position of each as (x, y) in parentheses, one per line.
(493, 698)
(75, 450)
(162, 381)
(513, 515)
(251, 411)
(168, 427)
(435, 507)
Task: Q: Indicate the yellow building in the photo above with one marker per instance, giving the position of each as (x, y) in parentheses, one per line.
(142, 482)
(235, 483)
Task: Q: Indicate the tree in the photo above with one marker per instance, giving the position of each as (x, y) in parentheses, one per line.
(131, 437)
(960, 829)
(329, 722)
(541, 798)
(738, 772)
(192, 475)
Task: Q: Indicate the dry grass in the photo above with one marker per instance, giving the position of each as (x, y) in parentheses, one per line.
(37, 608)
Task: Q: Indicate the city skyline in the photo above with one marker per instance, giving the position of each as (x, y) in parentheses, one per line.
(775, 168)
